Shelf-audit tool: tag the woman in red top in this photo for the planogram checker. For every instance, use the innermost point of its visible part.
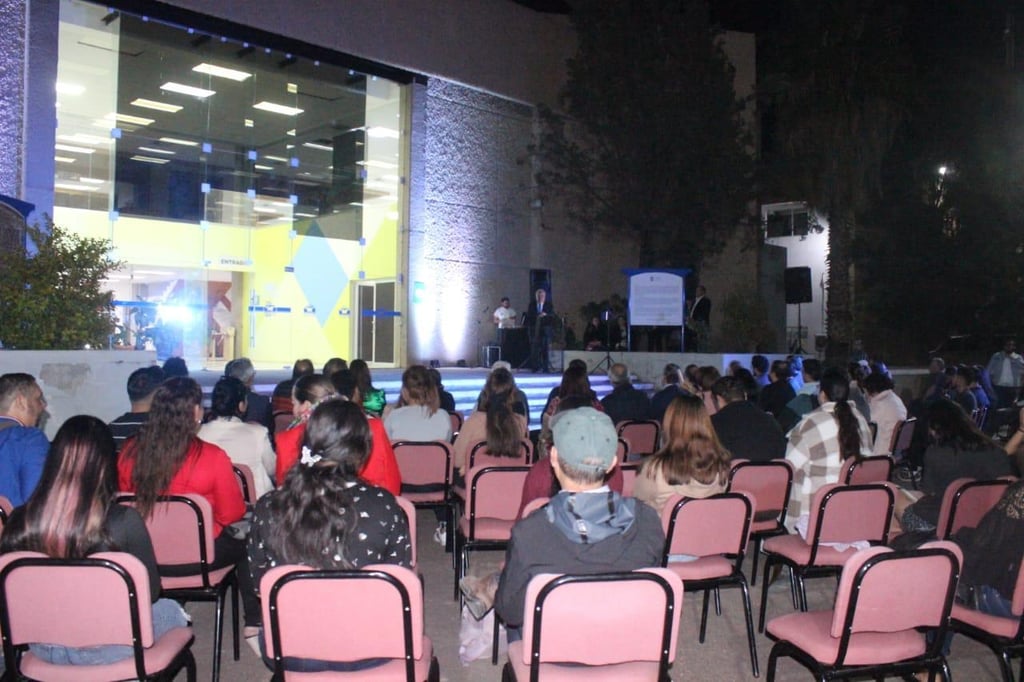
(307, 392)
(167, 458)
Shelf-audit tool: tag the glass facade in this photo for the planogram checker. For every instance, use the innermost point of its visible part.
(254, 195)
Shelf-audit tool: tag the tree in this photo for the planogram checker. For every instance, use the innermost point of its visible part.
(837, 94)
(54, 298)
(649, 143)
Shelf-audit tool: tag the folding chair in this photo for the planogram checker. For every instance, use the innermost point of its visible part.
(978, 416)
(246, 481)
(769, 485)
(457, 421)
(622, 451)
(630, 471)
(714, 531)
(410, 516)
(873, 469)
(573, 627)
(181, 527)
(492, 506)
(840, 514)
(426, 468)
(100, 600)
(641, 435)
(965, 501)
(347, 616)
(479, 455)
(885, 604)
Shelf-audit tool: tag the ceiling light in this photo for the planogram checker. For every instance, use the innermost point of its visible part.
(156, 150)
(71, 148)
(249, 123)
(91, 181)
(277, 108)
(370, 163)
(221, 72)
(181, 89)
(305, 215)
(74, 186)
(264, 209)
(290, 133)
(275, 158)
(128, 118)
(63, 159)
(314, 145)
(70, 88)
(82, 138)
(178, 141)
(382, 132)
(261, 167)
(158, 106)
(149, 159)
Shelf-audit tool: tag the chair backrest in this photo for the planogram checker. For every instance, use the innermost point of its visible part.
(622, 450)
(902, 436)
(534, 504)
(246, 481)
(456, 421)
(568, 619)
(99, 600)
(874, 469)
(479, 455)
(850, 513)
(1017, 602)
(885, 591)
(769, 484)
(282, 420)
(978, 416)
(640, 434)
(181, 528)
(410, 516)
(424, 462)
(716, 525)
(630, 471)
(375, 612)
(965, 501)
(493, 493)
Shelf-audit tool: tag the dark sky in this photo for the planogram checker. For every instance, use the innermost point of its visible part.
(739, 15)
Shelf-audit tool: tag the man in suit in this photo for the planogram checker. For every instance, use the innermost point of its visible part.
(700, 318)
(539, 318)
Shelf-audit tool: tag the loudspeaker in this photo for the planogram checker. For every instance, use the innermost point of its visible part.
(539, 279)
(798, 285)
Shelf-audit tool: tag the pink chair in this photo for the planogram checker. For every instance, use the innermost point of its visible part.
(282, 420)
(456, 420)
(426, 469)
(568, 621)
(885, 603)
(769, 485)
(965, 501)
(345, 616)
(246, 481)
(640, 434)
(874, 469)
(715, 530)
(1004, 636)
(492, 507)
(630, 471)
(479, 455)
(622, 451)
(840, 514)
(102, 599)
(533, 505)
(181, 527)
(410, 516)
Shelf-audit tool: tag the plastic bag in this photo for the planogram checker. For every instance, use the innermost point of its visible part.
(476, 636)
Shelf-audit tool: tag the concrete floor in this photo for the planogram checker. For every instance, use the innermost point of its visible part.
(723, 656)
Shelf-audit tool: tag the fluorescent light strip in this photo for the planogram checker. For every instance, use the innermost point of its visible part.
(277, 108)
(276, 158)
(74, 187)
(91, 181)
(82, 138)
(314, 145)
(370, 163)
(63, 159)
(221, 72)
(72, 148)
(179, 141)
(381, 132)
(150, 159)
(128, 118)
(157, 150)
(262, 167)
(264, 209)
(181, 89)
(158, 106)
(305, 215)
(73, 89)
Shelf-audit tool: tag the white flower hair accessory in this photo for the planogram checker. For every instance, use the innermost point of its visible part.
(308, 458)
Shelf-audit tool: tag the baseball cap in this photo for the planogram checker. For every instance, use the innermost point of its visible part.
(585, 438)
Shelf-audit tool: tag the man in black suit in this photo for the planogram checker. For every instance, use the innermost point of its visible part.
(744, 429)
(540, 317)
(700, 318)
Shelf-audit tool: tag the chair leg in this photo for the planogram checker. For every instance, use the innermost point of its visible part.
(449, 526)
(773, 660)
(751, 639)
(1005, 666)
(218, 634)
(794, 595)
(802, 590)
(494, 641)
(234, 618)
(764, 593)
(704, 617)
(718, 603)
(756, 553)
(456, 564)
(190, 666)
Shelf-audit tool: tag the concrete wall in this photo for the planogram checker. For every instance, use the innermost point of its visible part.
(78, 381)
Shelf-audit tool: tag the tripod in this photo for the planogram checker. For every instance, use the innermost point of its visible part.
(607, 361)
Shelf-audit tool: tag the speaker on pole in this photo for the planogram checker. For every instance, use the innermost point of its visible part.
(798, 285)
(540, 279)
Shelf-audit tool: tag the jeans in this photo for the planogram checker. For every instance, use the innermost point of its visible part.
(312, 665)
(989, 601)
(167, 615)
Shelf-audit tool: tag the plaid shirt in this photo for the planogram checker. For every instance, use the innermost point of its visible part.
(813, 451)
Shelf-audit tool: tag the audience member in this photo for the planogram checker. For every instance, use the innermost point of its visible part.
(796, 372)
(282, 398)
(937, 380)
(167, 458)
(743, 429)
(22, 445)
(1005, 368)
(307, 392)
(858, 372)
(586, 527)
(776, 395)
(175, 367)
(708, 376)
(962, 394)
(142, 384)
(974, 386)
(625, 402)
(497, 424)
(671, 378)
(334, 365)
(446, 399)
(887, 410)
(821, 441)
(257, 407)
(520, 405)
(575, 384)
(381, 468)
(418, 416)
(73, 514)
(374, 400)
(325, 516)
(244, 442)
(759, 368)
(576, 365)
(691, 462)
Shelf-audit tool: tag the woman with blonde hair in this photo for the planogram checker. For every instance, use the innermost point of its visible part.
(418, 415)
(691, 462)
(496, 423)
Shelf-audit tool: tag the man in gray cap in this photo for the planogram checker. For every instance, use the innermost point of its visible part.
(586, 528)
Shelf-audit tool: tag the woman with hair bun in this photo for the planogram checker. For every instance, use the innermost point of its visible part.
(819, 443)
(246, 443)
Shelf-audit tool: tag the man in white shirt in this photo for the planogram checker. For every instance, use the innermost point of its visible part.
(1005, 369)
(505, 315)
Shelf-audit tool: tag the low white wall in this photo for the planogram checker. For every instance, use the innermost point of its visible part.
(78, 381)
